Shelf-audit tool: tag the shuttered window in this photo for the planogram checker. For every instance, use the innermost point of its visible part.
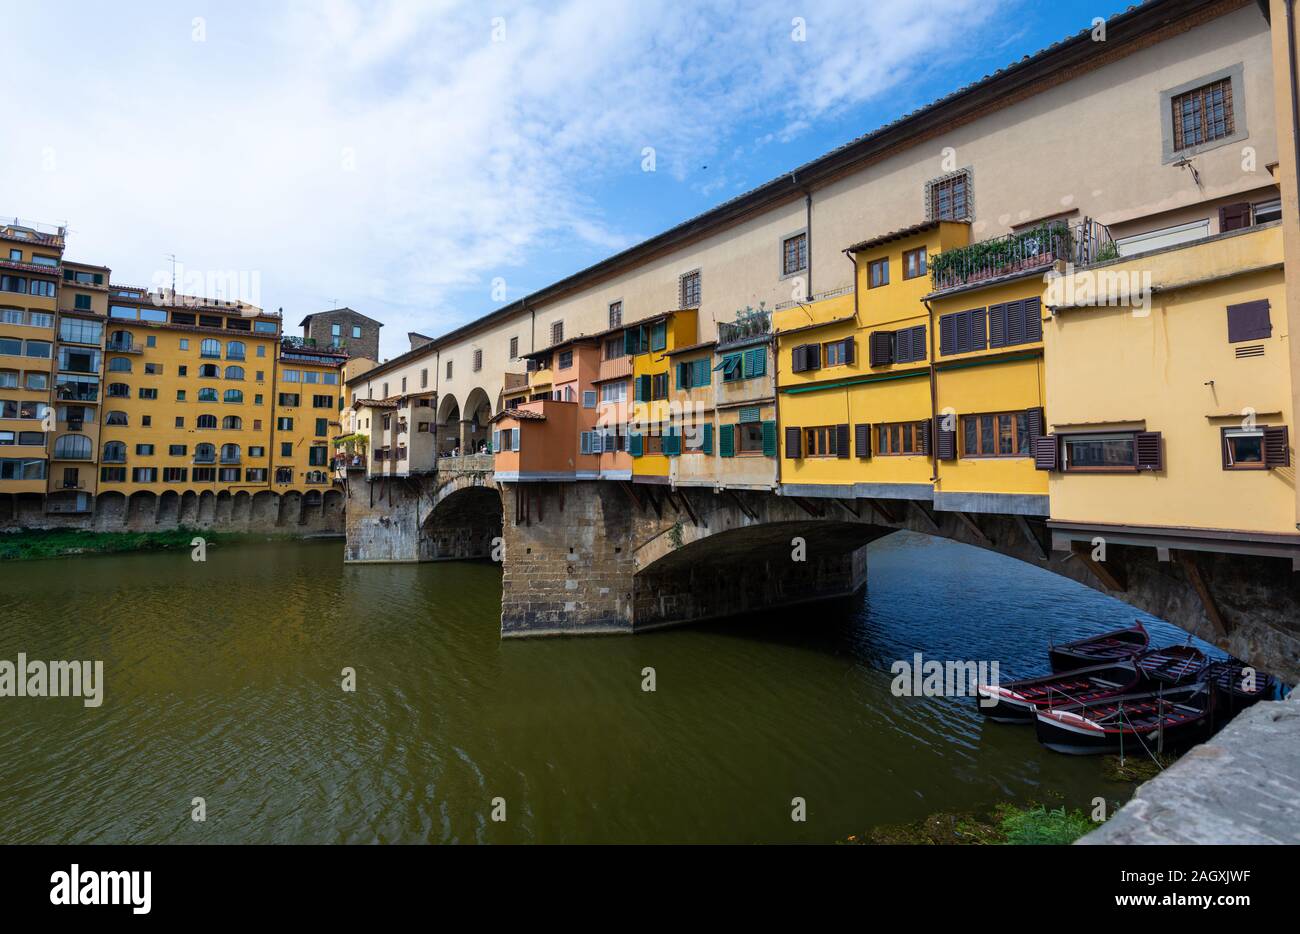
(793, 443)
(1249, 321)
(1018, 322)
(659, 386)
(634, 341)
(1046, 450)
(806, 357)
(1111, 451)
(896, 438)
(962, 332)
(642, 393)
(862, 440)
(839, 353)
(880, 348)
(557, 331)
(726, 440)
(826, 441)
(1256, 448)
(995, 434)
(750, 438)
(769, 439)
(909, 344)
(755, 362)
(1234, 217)
(671, 443)
(659, 336)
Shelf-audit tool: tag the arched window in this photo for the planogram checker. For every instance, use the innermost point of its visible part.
(72, 446)
(210, 371)
(116, 418)
(119, 365)
(119, 390)
(234, 372)
(232, 423)
(284, 475)
(234, 351)
(230, 454)
(204, 453)
(210, 348)
(206, 421)
(317, 476)
(208, 395)
(119, 340)
(234, 395)
(115, 452)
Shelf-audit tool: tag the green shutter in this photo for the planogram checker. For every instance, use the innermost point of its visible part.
(629, 341)
(726, 440)
(703, 374)
(707, 444)
(755, 362)
(659, 336)
(683, 376)
(751, 413)
(672, 443)
(769, 439)
(642, 389)
(634, 445)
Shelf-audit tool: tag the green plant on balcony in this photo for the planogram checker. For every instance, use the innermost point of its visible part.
(986, 259)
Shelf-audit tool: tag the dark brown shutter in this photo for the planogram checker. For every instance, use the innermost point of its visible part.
(1034, 420)
(841, 440)
(862, 440)
(1249, 321)
(812, 356)
(945, 440)
(1234, 217)
(947, 335)
(880, 347)
(1277, 446)
(1150, 451)
(1045, 452)
(796, 359)
(849, 349)
(925, 437)
(998, 326)
(793, 443)
(978, 329)
(1033, 319)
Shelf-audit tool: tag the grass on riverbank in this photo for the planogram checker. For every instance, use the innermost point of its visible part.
(32, 544)
(1007, 824)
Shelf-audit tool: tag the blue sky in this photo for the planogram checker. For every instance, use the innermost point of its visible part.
(400, 157)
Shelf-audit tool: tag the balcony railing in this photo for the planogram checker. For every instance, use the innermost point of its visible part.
(124, 347)
(1025, 251)
(749, 324)
(230, 459)
(204, 459)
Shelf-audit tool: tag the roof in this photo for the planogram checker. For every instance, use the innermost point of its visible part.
(597, 335)
(816, 324)
(900, 234)
(522, 415)
(390, 403)
(1004, 87)
(351, 311)
(693, 347)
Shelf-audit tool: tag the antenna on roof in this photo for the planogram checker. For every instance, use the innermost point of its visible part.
(172, 257)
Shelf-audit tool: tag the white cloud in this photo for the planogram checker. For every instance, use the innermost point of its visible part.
(392, 156)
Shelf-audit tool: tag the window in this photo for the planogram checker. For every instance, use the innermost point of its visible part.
(203, 474)
(37, 349)
(175, 474)
(962, 332)
(336, 330)
(235, 350)
(878, 273)
(589, 398)
(557, 331)
(207, 395)
(633, 341)
(144, 474)
(230, 454)
(906, 345)
(1012, 323)
(616, 314)
(205, 453)
(144, 449)
(659, 336)
(72, 447)
(514, 351)
(1256, 448)
(1001, 434)
(689, 289)
(694, 373)
(322, 402)
(286, 449)
(288, 400)
(749, 437)
(184, 343)
(356, 330)
(81, 302)
(1249, 321)
(613, 392)
(794, 254)
(232, 423)
(116, 418)
(205, 422)
(180, 421)
(114, 452)
(802, 358)
(38, 380)
(318, 455)
(1202, 115)
(1121, 451)
(914, 263)
(148, 393)
(210, 348)
(902, 438)
(403, 381)
(826, 441)
(39, 319)
(659, 386)
(839, 353)
(322, 426)
(448, 377)
(77, 331)
(153, 369)
(478, 360)
(112, 474)
(209, 371)
(176, 450)
(150, 340)
(284, 424)
(615, 347)
(235, 372)
(565, 360)
(948, 198)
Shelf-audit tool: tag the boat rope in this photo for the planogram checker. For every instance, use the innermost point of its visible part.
(1125, 718)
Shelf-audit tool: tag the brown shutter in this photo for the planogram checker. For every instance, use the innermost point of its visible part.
(1045, 453)
(881, 348)
(862, 440)
(1249, 321)
(925, 437)
(1150, 451)
(796, 359)
(946, 440)
(812, 356)
(793, 443)
(849, 343)
(841, 440)
(998, 325)
(1034, 418)
(1033, 319)
(1234, 217)
(1277, 446)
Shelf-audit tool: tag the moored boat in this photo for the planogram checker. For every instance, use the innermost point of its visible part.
(1172, 665)
(1236, 686)
(1096, 650)
(1157, 721)
(1018, 701)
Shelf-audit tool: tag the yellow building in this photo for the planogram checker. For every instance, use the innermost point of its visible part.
(1169, 397)
(652, 435)
(308, 403)
(29, 271)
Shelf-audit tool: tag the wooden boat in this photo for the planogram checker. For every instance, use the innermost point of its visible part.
(1096, 650)
(1236, 689)
(1169, 718)
(1018, 701)
(1173, 665)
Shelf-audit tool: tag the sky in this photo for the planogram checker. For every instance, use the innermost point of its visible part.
(425, 162)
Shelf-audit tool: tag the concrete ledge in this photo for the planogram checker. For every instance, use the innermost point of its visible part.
(920, 491)
(1242, 787)
(1015, 504)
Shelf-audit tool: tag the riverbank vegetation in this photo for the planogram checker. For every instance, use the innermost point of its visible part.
(32, 544)
(1006, 824)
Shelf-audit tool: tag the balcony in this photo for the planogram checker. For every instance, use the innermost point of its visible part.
(749, 325)
(228, 459)
(78, 392)
(1027, 251)
(123, 347)
(615, 369)
(205, 458)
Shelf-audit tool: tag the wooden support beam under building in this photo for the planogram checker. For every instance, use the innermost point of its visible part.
(632, 494)
(1032, 537)
(749, 514)
(690, 511)
(851, 510)
(1110, 574)
(882, 510)
(806, 507)
(926, 514)
(1202, 588)
(974, 527)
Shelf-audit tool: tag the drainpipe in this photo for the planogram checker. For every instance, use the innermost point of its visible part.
(807, 200)
(1295, 112)
(934, 399)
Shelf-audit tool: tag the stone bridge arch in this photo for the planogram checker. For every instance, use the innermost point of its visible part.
(463, 518)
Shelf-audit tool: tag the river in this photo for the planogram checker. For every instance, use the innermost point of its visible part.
(223, 681)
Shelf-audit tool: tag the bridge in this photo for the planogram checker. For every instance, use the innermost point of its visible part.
(592, 557)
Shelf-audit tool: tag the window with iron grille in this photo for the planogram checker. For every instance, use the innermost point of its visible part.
(557, 331)
(1203, 115)
(690, 290)
(448, 374)
(950, 197)
(514, 348)
(794, 254)
(478, 360)
(615, 314)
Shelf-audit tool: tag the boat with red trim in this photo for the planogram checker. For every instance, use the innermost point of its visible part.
(1096, 650)
(1158, 721)
(1018, 701)
(1172, 665)
(1237, 685)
